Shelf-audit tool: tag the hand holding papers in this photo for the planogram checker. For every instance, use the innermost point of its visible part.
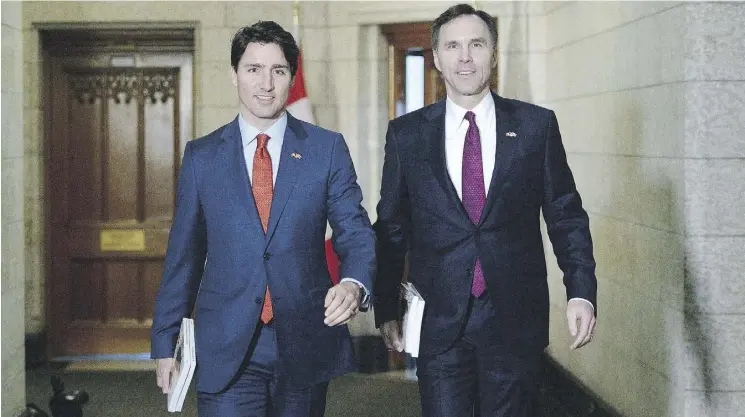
(412, 322)
(184, 363)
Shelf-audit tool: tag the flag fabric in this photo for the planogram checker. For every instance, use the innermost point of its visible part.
(300, 107)
(297, 101)
(332, 261)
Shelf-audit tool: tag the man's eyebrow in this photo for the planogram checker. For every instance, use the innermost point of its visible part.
(275, 66)
(479, 39)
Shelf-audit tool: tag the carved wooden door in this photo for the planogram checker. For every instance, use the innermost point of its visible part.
(115, 135)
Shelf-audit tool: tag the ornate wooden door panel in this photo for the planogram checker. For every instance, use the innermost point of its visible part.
(115, 137)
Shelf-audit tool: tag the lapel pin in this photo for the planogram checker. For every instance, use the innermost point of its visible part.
(296, 155)
(511, 134)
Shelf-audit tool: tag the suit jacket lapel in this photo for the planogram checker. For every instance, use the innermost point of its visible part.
(506, 146)
(237, 173)
(290, 165)
(433, 133)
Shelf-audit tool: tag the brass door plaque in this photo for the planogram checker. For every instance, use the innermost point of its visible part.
(117, 240)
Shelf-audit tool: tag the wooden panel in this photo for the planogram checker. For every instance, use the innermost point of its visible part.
(80, 338)
(91, 41)
(434, 88)
(152, 272)
(121, 166)
(84, 154)
(159, 157)
(87, 287)
(112, 168)
(397, 86)
(123, 296)
(408, 35)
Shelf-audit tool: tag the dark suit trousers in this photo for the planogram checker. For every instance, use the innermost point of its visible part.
(473, 378)
(254, 391)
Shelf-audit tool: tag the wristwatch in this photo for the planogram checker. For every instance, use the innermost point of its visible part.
(364, 299)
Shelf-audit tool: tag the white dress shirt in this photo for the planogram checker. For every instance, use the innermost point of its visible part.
(456, 127)
(276, 133)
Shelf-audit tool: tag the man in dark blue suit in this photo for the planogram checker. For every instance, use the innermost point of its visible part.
(246, 249)
(464, 184)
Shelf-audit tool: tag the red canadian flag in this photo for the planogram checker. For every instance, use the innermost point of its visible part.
(297, 101)
(299, 106)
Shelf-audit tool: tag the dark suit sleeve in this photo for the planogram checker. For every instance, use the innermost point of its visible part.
(567, 222)
(184, 263)
(391, 228)
(353, 238)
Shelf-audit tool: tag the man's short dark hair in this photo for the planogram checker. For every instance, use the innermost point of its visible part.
(265, 32)
(456, 12)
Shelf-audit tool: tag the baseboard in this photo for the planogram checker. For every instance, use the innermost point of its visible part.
(32, 410)
(36, 349)
(558, 385)
(561, 393)
(572, 395)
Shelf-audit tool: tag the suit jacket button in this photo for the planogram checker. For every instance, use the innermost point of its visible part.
(468, 271)
(259, 300)
(267, 256)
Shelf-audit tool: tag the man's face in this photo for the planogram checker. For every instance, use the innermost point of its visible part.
(263, 80)
(465, 57)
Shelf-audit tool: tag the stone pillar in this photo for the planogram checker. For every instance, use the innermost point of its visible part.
(711, 361)
(13, 231)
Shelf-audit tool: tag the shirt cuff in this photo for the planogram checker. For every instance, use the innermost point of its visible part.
(365, 303)
(582, 299)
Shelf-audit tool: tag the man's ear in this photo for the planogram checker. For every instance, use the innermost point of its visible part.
(436, 59)
(234, 76)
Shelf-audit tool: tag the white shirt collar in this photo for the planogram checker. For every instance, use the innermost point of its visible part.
(455, 114)
(249, 132)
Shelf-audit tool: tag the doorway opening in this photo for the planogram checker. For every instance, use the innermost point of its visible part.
(117, 113)
(414, 81)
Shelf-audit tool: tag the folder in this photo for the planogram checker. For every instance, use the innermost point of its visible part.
(412, 321)
(185, 361)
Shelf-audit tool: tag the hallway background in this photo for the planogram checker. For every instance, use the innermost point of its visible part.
(649, 97)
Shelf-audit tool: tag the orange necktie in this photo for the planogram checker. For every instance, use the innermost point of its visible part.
(263, 190)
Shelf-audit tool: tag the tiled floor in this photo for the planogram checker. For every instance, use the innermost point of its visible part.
(134, 393)
(127, 388)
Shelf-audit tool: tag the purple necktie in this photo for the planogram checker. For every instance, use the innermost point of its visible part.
(474, 194)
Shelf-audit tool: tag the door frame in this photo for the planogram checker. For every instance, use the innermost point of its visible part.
(402, 36)
(76, 39)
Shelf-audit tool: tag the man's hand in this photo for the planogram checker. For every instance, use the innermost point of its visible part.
(391, 332)
(342, 303)
(165, 368)
(581, 320)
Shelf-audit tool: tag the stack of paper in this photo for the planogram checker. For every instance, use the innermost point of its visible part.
(185, 361)
(412, 322)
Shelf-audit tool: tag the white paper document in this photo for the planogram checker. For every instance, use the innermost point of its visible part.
(412, 322)
(185, 361)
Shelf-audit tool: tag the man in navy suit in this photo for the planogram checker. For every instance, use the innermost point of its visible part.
(464, 184)
(246, 249)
